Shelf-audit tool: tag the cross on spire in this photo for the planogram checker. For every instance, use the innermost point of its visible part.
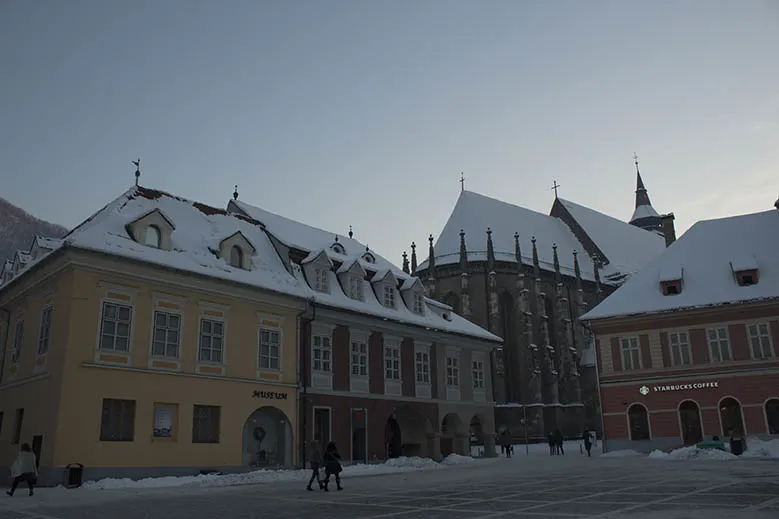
(462, 182)
(555, 186)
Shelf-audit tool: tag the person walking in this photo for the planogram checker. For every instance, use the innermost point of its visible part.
(587, 442)
(315, 455)
(505, 441)
(551, 440)
(558, 438)
(25, 468)
(332, 466)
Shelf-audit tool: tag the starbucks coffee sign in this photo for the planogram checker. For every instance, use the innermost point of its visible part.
(645, 390)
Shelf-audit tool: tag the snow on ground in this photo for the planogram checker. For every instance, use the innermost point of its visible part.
(757, 448)
(392, 466)
(625, 453)
(692, 453)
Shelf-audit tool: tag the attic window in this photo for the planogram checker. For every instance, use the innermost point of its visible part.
(321, 283)
(236, 257)
(419, 303)
(338, 248)
(153, 237)
(746, 278)
(369, 258)
(355, 287)
(671, 288)
(389, 296)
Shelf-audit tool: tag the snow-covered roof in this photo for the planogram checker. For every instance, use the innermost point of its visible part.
(644, 211)
(47, 243)
(199, 231)
(705, 253)
(474, 213)
(627, 247)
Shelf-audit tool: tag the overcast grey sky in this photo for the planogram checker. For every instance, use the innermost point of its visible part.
(365, 112)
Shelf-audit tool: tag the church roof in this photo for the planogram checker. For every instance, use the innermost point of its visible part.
(474, 213)
(644, 211)
(706, 256)
(626, 246)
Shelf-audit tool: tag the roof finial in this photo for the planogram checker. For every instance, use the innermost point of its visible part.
(490, 251)
(413, 257)
(635, 160)
(463, 252)
(555, 186)
(462, 181)
(367, 249)
(536, 265)
(405, 262)
(336, 238)
(556, 262)
(577, 271)
(350, 232)
(517, 252)
(137, 170)
(431, 259)
(235, 193)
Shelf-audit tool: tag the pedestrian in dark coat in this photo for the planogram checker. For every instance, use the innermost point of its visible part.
(25, 468)
(505, 441)
(587, 442)
(332, 466)
(551, 440)
(315, 455)
(559, 441)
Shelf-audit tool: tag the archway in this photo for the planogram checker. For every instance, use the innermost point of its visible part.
(772, 415)
(730, 417)
(476, 433)
(407, 433)
(690, 420)
(451, 428)
(267, 439)
(638, 420)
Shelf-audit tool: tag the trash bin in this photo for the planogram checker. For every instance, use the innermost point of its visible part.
(74, 475)
(736, 446)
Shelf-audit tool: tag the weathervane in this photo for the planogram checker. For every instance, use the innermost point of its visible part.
(462, 182)
(137, 170)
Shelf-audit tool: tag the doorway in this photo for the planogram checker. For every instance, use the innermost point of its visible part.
(690, 419)
(359, 436)
(267, 439)
(393, 438)
(37, 446)
(322, 425)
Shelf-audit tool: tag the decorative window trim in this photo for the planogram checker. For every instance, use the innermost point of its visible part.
(212, 319)
(771, 350)
(152, 339)
(418, 302)
(717, 342)
(688, 349)
(359, 337)
(388, 296)
(322, 279)
(108, 300)
(425, 350)
(452, 368)
(44, 341)
(629, 341)
(270, 330)
(393, 364)
(478, 373)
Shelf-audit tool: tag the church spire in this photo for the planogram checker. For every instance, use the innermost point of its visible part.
(431, 259)
(517, 252)
(556, 261)
(596, 266)
(405, 263)
(490, 252)
(413, 257)
(536, 266)
(463, 253)
(642, 196)
(577, 271)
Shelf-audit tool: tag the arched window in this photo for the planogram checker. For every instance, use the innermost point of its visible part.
(772, 415)
(153, 236)
(730, 416)
(690, 419)
(236, 257)
(639, 422)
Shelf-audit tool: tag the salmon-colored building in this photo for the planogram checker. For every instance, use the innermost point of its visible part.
(687, 348)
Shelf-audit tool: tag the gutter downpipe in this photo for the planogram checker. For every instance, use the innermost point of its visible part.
(302, 377)
(5, 341)
(600, 396)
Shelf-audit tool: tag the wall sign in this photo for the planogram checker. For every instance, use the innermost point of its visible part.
(163, 421)
(645, 390)
(269, 395)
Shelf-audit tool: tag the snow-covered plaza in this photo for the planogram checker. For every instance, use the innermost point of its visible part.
(622, 484)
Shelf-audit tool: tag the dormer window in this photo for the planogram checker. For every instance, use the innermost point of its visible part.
(746, 278)
(671, 280)
(355, 287)
(153, 237)
(389, 296)
(671, 288)
(338, 248)
(236, 257)
(419, 303)
(369, 258)
(322, 281)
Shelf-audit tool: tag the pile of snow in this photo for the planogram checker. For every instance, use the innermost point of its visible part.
(625, 453)
(757, 448)
(693, 453)
(392, 466)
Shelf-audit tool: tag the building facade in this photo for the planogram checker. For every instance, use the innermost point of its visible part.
(687, 349)
(528, 277)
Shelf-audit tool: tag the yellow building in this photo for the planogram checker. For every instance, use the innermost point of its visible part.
(159, 337)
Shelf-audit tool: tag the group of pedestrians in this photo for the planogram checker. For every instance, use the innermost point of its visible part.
(555, 440)
(332, 465)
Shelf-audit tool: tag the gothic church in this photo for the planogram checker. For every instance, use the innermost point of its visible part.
(527, 277)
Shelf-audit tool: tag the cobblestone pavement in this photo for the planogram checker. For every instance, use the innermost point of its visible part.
(520, 488)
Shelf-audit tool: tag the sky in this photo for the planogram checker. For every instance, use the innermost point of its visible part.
(365, 113)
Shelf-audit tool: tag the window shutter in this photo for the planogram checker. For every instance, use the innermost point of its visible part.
(616, 354)
(646, 355)
(665, 349)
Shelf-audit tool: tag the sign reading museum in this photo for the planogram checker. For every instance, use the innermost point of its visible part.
(645, 390)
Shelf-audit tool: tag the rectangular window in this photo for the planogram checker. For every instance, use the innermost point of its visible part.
(452, 371)
(392, 363)
(18, 427)
(760, 340)
(270, 349)
(423, 367)
(719, 346)
(165, 341)
(321, 352)
(419, 304)
(359, 359)
(205, 424)
(322, 282)
(115, 327)
(211, 341)
(43, 336)
(389, 296)
(18, 339)
(478, 374)
(164, 420)
(355, 287)
(118, 420)
(631, 354)
(680, 348)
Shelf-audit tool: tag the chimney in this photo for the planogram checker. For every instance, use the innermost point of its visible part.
(668, 228)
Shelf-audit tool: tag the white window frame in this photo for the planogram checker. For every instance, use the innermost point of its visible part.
(152, 240)
(261, 343)
(101, 330)
(418, 303)
(44, 333)
(681, 346)
(477, 367)
(717, 343)
(452, 369)
(630, 345)
(356, 287)
(764, 340)
(322, 279)
(168, 313)
(392, 362)
(389, 296)
(358, 360)
(212, 320)
(422, 366)
(325, 350)
(16, 352)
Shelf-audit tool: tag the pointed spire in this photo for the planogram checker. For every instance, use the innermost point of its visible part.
(642, 197)
(556, 262)
(596, 266)
(577, 271)
(235, 193)
(517, 252)
(536, 266)
(490, 251)
(405, 263)
(137, 170)
(463, 253)
(351, 233)
(413, 257)
(431, 259)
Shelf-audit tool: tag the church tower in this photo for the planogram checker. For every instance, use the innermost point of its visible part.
(645, 216)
